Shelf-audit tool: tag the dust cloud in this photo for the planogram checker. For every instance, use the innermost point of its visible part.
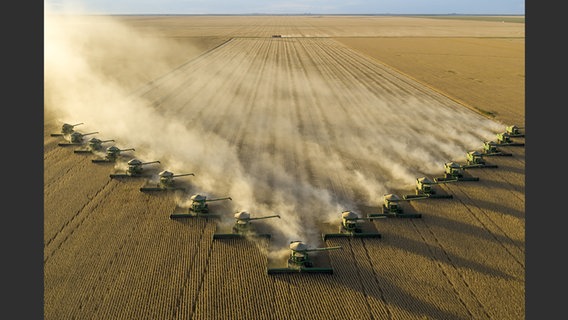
(303, 128)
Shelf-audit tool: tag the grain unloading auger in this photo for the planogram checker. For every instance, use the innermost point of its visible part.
(243, 227)
(135, 169)
(166, 182)
(475, 160)
(504, 139)
(490, 149)
(198, 207)
(454, 172)
(299, 260)
(112, 153)
(424, 190)
(93, 145)
(350, 227)
(76, 139)
(66, 129)
(391, 208)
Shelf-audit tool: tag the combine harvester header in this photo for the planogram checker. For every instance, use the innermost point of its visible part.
(350, 228)
(454, 172)
(424, 190)
(112, 153)
(166, 182)
(135, 169)
(93, 145)
(75, 139)
(198, 207)
(299, 261)
(66, 129)
(475, 160)
(243, 227)
(392, 209)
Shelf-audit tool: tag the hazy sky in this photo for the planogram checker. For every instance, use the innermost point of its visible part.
(289, 6)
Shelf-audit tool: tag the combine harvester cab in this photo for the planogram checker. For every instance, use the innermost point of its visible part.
(391, 208)
(299, 260)
(112, 153)
(504, 139)
(243, 227)
(93, 145)
(135, 169)
(66, 129)
(490, 150)
(514, 131)
(454, 172)
(198, 208)
(424, 190)
(350, 227)
(166, 182)
(75, 139)
(475, 160)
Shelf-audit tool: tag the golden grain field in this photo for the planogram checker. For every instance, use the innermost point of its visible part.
(333, 114)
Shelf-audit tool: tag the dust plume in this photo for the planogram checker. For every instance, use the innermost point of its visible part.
(304, 128)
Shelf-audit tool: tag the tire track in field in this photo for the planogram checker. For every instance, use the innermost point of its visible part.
(471, 306)
(184, 90)
(194, 271)
(171, 77)
(73, 224)
(331, 77)
(491, 226)
(339, 191)
(364, 73)
(362, 283)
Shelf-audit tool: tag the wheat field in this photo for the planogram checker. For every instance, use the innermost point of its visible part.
(301, 116)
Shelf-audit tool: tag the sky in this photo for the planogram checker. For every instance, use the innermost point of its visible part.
(515, 7)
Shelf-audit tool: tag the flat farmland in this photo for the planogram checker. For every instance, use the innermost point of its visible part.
(330, 116)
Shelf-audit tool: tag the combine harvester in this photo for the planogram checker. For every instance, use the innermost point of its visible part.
(198, 207)
(93, 145)
(243, 227)
(454, 172)
(504, 139)
(392, 208)
(166, 182)
(112, 153)
(135, 169)
(424, 190)
(513, 131)
(299, 261)
(350, 228)
(490, 149)
(66, 129)
(475, 160)
(75, 139)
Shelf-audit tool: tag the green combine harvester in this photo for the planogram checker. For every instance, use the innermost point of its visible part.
(66, 129)
(425, 190)
(93, 145)
(475, 160)
(112, 153)
(350, 227)
(243, 227)
(504, 139)
(198, 207)
(166, 182)
(454, 172)
(299, 261)
(490, 149)
(75, 139)
(514, 131)
(135, 169)
(391, 208)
